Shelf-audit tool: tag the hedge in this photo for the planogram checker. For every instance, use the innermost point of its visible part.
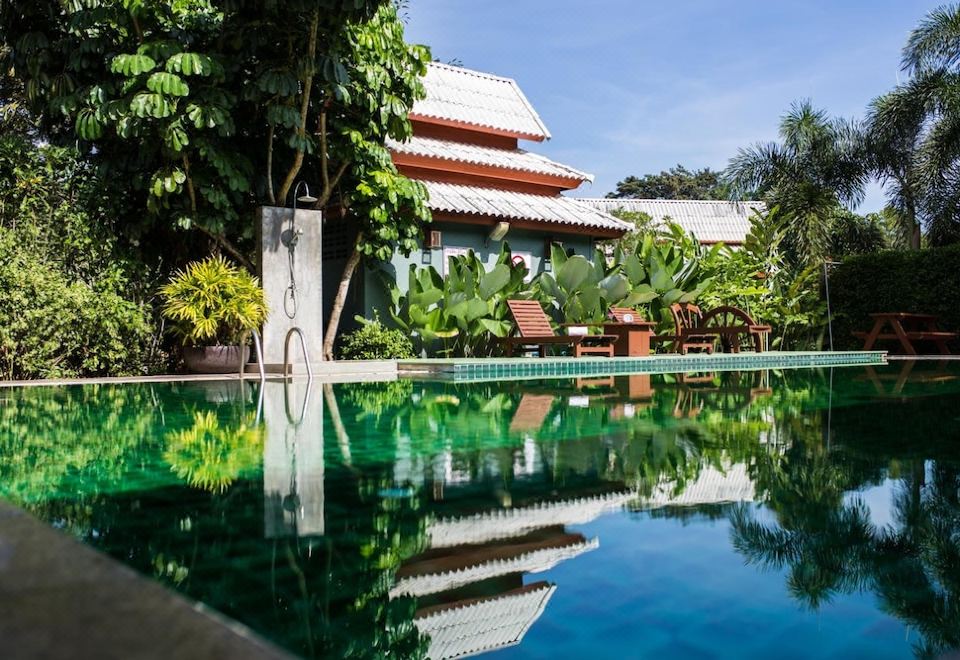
(920, 281)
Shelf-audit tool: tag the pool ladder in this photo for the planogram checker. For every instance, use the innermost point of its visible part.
(287, 365)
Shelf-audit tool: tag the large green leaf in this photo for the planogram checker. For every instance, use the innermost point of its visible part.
(614, 287)
(574, 273)
(591, 298)
(132, 65)
(190, 64)
(558, 256)
(425, 297)
(163, 82)
(633, 269)
(494, 281)
(660, 279)
(672, 296)
(496, 328)
(147, 104)
(88, 125)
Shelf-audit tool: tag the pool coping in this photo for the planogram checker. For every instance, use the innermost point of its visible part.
(341, 371)
(338, 371)
(60, 598)
(490, 369)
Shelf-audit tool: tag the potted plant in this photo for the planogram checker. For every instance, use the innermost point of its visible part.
(212, 303)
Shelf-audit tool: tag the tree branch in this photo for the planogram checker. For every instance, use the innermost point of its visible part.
(270, 196)
(190, 189)
(229, 247)
(304, 108)
(328, 188)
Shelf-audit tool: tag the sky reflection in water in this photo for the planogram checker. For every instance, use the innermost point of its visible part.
(742, 514)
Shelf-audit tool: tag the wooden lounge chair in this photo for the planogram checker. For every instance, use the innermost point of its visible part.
(535, 332)
(531, 412)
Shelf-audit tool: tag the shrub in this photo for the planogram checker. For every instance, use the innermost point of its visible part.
(52, 325)
(918, 281)
(213, 301)
(374, 341)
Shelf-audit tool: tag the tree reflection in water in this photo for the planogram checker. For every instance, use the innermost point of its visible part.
(347, 552)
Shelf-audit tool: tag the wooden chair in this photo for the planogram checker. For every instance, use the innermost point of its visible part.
(535, 331)
(687, 319)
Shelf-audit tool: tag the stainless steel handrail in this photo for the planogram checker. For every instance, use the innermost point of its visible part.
(259, 352)
(287, 367)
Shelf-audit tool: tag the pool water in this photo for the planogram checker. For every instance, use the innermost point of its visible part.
(710, 515)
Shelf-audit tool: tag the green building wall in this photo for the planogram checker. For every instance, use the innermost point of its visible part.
(368, 294)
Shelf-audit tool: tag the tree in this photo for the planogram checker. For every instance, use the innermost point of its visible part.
(816, 168)
(676, 183)
(642, 225)
(914, 132)
(211, 108)
(856, 234)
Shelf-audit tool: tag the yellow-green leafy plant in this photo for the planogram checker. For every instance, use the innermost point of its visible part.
(211, 456)
(213, 302)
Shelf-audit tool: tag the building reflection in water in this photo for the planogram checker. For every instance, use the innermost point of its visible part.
(469, 582)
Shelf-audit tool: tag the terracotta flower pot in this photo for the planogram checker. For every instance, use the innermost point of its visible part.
(215, 359)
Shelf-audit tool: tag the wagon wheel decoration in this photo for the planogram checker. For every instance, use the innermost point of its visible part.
(735, 323)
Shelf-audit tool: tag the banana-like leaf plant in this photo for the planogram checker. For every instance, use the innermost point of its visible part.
(465, 312)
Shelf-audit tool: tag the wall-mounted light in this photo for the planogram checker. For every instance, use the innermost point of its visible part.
(426, 257)
(498, 232)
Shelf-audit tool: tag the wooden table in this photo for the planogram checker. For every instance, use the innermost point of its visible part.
(632, 339)
(906, 328)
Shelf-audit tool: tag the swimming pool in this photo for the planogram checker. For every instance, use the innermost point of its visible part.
(812, 512)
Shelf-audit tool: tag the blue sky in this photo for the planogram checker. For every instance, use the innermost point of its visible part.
(636, 86)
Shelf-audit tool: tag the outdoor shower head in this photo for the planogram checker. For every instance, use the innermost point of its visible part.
(306, 197)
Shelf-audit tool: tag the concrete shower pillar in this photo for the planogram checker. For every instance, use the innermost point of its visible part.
(275, 278)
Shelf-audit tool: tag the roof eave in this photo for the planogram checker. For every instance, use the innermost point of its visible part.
(556, 227)
(492, 130)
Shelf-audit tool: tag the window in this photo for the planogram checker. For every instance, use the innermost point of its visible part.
(451, 252)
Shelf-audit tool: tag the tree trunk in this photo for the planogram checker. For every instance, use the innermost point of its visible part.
(915, 236)
(334, 323)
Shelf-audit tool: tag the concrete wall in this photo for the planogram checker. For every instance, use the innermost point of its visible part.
(275, 278)
(374, 296)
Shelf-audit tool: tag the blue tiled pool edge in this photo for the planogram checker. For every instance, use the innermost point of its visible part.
(467, 369)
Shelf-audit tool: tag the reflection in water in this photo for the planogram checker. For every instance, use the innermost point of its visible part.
(418, 519)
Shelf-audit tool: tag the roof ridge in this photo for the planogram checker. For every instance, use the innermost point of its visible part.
(468, 71)
(506, 110)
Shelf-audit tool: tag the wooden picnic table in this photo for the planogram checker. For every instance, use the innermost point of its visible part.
(632, 338)
(906, 328)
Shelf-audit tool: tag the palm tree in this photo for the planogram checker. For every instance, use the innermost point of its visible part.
(914, 131)
(816, 169)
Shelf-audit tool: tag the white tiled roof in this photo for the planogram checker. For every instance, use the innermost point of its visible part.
(507, 523)
(509, 205)
(511, 159)
(713, 486)
(709, 221)
(479, 99)
(535, 561)
(485, 624)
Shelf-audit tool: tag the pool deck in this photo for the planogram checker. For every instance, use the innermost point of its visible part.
(62, 599)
